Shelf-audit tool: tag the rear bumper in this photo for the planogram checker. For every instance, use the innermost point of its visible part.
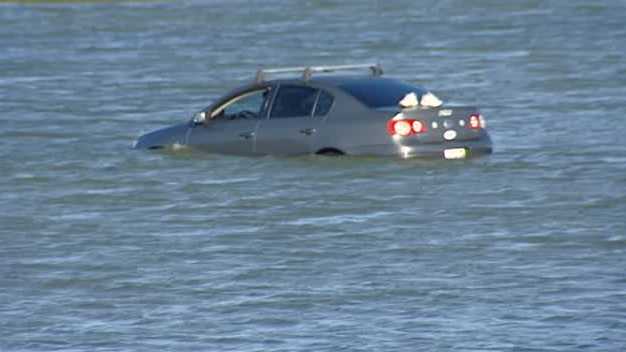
(473, 148)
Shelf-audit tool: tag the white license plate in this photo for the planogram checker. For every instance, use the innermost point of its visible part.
(455, 153)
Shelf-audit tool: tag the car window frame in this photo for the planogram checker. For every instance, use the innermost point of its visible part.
(275, 97)
(214, 110)
(225, 103)
(317, 99)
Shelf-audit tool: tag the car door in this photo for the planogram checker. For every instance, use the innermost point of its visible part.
(290, 128)
(231, 127)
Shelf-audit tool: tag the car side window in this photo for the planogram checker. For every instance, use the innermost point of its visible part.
(324, 103)
(293, 101)
(250, 105)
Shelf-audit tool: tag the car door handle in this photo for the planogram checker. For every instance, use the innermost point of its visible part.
(246, 135)
(308, 131)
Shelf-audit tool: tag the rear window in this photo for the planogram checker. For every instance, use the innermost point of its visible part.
(382, 92)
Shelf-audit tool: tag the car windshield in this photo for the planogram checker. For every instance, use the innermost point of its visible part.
(381, 92)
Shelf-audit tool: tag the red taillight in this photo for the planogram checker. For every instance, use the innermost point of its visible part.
(474, 121)
(402, 127)
(405, 127)
(418, 126)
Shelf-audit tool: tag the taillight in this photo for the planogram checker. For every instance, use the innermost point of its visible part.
(405, 127)
(402, 128)
(418, 126)
(474, 121)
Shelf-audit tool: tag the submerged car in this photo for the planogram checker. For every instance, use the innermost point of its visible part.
(330, 115)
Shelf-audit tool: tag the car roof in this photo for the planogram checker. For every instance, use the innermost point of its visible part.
(372, 91)
(357, 86)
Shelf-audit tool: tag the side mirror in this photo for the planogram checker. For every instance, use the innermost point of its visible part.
(199, 118)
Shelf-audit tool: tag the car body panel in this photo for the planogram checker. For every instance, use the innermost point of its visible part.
(222, 136)
(291, 136)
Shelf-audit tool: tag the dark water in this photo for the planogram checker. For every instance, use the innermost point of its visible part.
(107, 248)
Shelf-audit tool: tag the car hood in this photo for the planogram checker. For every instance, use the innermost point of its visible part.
(163, 137)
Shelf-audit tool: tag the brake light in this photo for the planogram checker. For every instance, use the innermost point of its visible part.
(418, 126)
(405, 127)
(474, 121)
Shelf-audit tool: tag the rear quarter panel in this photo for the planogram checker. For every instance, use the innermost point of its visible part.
(355, 129)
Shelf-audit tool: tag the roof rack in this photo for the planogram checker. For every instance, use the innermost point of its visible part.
(307, 72)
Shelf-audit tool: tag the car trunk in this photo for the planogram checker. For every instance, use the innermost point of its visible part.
(439, 125)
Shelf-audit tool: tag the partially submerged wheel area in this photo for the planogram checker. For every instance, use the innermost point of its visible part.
(329, 152)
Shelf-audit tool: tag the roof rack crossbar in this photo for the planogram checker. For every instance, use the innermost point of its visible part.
(307, 72)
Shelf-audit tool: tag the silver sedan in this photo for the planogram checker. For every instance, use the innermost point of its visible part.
(330, 115)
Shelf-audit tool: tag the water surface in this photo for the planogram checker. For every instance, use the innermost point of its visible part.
(108, 248)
